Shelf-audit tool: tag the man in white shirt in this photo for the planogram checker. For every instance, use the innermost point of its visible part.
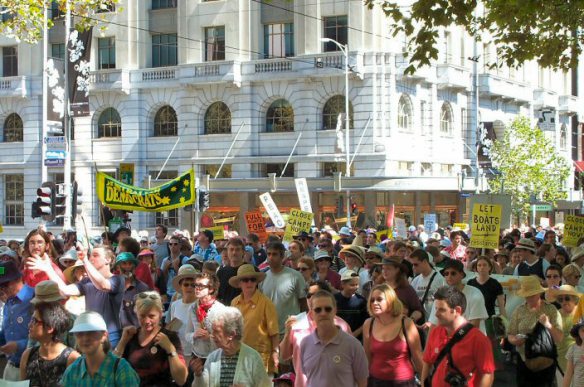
(427, 279)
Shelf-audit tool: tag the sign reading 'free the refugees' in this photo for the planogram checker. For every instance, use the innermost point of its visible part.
(176, 193)
(485, 226)
(573, 230)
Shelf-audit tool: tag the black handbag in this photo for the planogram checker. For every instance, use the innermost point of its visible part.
(540, 349)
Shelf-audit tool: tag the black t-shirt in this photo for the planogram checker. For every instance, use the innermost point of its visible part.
(490, 290)
(353, 310)
(227, 292)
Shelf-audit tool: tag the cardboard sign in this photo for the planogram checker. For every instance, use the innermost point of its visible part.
(255, 224)
(573, 230)
(298, 221)
(460, 226)
(485, 226)
(544, 222)
(272, 210)
(218, 232)
(303, 194)
(430, 223)
(400, 226)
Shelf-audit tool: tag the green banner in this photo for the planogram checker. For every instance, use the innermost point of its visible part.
(176, 193)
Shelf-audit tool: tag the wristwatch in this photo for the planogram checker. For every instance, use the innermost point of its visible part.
(172, 354)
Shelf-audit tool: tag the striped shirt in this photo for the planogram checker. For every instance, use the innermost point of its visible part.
(228, 365)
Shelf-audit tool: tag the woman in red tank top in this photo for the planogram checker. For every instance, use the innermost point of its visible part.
(391, 341)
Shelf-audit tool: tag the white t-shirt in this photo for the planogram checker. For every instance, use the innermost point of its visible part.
(284, 289)
(178, 309)
(420, 283)
(475, 307)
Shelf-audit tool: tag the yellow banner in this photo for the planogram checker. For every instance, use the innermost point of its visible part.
(1, 228)
(460, 226)
(179, 192)
(218, 232)
(485, 226)
(573, 230)
(298, 221)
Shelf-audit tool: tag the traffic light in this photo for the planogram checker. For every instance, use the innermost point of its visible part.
(76, 202)
(203, 200)
(44, 205)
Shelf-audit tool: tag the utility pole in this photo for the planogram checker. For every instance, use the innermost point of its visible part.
(66, 125)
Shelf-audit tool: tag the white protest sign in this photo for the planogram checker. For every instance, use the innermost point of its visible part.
(400, 226)
(430, 222)
(303, 195)
(272, 210)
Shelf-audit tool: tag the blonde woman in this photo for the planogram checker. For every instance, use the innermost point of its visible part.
(154, 352)
(391, 341)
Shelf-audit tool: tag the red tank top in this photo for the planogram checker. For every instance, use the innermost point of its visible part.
(390, 360)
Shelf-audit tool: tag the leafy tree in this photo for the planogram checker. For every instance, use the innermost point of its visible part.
(523, 30)
(23, 19)
(529, 165)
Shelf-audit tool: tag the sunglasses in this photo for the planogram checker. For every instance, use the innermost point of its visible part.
(249, 279)
(304, 268)
(561, 299)
(173, 244)
(319, 309)
(189, 285)
(450, 273)
(552, 276)
(150, 296)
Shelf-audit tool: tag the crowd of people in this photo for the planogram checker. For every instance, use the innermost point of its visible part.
(325, 309)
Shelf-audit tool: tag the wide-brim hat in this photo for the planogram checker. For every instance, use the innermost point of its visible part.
(196, 260)
(70, 255)
(565, 290)
(146, 251)
(530, 286)
(526, 244)
(355, 251)
(390, 261)
(5, 250)
(345, 231)
(126, 257)
(454, 264)
(46, 291)
(322, 254)
(303, 234)
(89, 322)
(577, 253)
(245, 271)
(68, 272)
(185, 271)
(375, 250)
(11, 272)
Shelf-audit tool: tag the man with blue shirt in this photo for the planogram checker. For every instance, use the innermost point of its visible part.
(17, 314)
(205, 247)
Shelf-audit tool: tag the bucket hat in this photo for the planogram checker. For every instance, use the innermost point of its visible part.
(46, 291)
(89, 322)
(246, 271)
(185, 271)
(68, 272)
(530, 286)
(526, 244)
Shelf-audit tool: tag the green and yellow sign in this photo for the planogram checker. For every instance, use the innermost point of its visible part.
(176, 193)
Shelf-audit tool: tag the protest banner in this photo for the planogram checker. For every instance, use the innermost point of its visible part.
(573, 230)
(218, 232)
(179, 192)
(298, 221)
(460, 226)
(255, 224)
(272, 210)
(430, 222)
(485, 226)
(400, 227)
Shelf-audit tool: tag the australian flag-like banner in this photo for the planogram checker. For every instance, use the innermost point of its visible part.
(179, 192)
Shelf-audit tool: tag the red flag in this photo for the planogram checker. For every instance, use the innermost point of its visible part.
(390, 216)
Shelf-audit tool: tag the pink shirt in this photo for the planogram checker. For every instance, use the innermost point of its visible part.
(303, 327)
(457, 253)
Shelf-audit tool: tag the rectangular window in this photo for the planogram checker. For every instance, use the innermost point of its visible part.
(335, 28)
(9, 61)
(164, 50)
(277, 169)
(214, 43)
(162, 4)
(329, 169)
(58, 50)
(211, 170)
(165, 175)
(106, 53)
(405, 168)
(14, 200)
(55, 11)
(278, 40)
(168, 218)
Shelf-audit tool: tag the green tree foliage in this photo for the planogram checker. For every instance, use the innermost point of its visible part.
(522, 30)
(23, 19)
(529, 164)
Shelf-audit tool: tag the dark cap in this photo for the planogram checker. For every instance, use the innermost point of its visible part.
(11, 272)
(454, 264)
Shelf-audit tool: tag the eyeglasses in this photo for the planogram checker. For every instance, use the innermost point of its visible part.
(249, 279)
(201, 286)
(189, 285)
(561, 299)
(319, 309)
(36, 321)
(173, 244)
(304, 268)
(150, 296)
(552, 276)
(450, 273)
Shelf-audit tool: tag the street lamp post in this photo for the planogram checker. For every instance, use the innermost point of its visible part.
(345, 50)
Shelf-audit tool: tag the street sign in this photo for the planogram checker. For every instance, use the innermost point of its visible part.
(55, 155)
(542, 207)
(54, 163)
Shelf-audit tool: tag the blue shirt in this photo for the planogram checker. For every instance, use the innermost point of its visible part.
(17, 313)
(210, 253)
(76, 374)
(107, 304)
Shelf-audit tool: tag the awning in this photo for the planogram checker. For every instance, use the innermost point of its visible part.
(579, 166)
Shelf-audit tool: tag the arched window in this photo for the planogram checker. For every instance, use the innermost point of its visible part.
(563, 137)
(405, 114)
(165, 122)
(280, 117)
(330, 113)
(13, 128)
(109, 124)
(446, 119)
(217, 119)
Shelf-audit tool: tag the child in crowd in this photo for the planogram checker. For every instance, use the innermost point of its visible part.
(574, 373)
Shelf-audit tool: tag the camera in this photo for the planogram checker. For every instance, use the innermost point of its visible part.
(454, 379)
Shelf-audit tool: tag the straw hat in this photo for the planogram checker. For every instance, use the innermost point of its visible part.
(565, 290)
(530, 286)
(355, 251)
(245, 271)
(46, 291)
(526, 244)
(185, 271)
(68, 272)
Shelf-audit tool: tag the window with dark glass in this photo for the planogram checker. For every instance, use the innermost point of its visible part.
(278, 168)
(9, 61)
(217, 119)
(214, 43)
(56, 12)
(162, 4)
(278, 40)
(164, 50)
(109, 124)
(334, 110)
(14, 200)
(329, 169)
(280, 117)
(106, 53)
(211, 170)
(165, 122)
(335, 28)
(58, 50)
(13, 128)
